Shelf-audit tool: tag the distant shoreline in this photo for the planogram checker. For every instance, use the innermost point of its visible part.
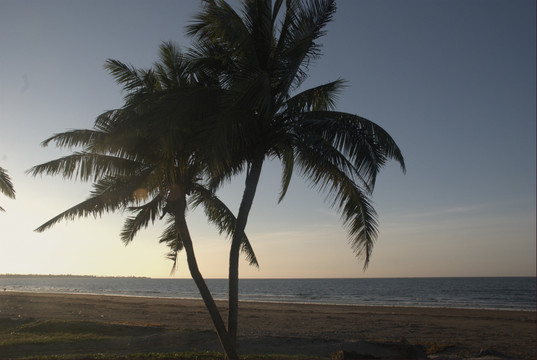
(262, 278)
(68, 276)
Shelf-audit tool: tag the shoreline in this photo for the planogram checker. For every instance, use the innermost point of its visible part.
(286, 328)
(440, 307)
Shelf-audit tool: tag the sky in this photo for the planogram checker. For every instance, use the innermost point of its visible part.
(452, 81)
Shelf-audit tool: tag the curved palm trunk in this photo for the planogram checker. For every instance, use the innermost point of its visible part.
(182, 229)
(252, 179)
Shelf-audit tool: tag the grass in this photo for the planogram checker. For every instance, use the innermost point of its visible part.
(140, 356)
(191, 355)
(28, 333)
(171, 356)
(17, 332)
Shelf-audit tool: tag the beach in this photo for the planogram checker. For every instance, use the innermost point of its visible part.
(166, 325)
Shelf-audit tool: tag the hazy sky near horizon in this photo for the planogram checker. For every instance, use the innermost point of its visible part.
(453, 81)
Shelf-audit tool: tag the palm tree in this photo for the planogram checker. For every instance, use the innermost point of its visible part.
(6, 186)
(261, 58)
(148, 158)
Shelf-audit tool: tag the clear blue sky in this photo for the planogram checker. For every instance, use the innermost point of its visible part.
(452, 81)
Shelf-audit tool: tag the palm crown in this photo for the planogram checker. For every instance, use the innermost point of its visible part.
(263, 65)
(138, 156)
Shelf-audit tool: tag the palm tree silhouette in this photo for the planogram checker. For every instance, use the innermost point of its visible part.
(146, 158)
(233, 101)
(262, 58)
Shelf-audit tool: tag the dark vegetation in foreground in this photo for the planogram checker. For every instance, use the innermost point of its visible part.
(88, 340)
(190, 355)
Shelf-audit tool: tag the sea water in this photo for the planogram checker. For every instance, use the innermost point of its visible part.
(510, 293)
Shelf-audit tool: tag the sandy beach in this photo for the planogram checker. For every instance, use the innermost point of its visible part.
(166, 325)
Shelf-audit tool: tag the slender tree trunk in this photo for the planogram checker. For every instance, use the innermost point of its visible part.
(252, 179)
(182, 228)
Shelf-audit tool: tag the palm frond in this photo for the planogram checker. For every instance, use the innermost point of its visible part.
(108, 195)
(218, 23)
(363, 142)
(74, 138)
(6, 185)
(172, 67)
(222, 173)
(86, 166)
(296, 48)
(172, 255)
(92, 206)
(144, 214)
(171, 238)
(357, 213)
(222, 217)
(169, 235)
(288, 162)
(107, 120)
(113, 134)
(319, 98)
(126, 75)
(257, 16)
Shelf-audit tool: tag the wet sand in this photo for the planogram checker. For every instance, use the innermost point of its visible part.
(284, 328)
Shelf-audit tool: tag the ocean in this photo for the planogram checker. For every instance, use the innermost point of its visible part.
(508, 293)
